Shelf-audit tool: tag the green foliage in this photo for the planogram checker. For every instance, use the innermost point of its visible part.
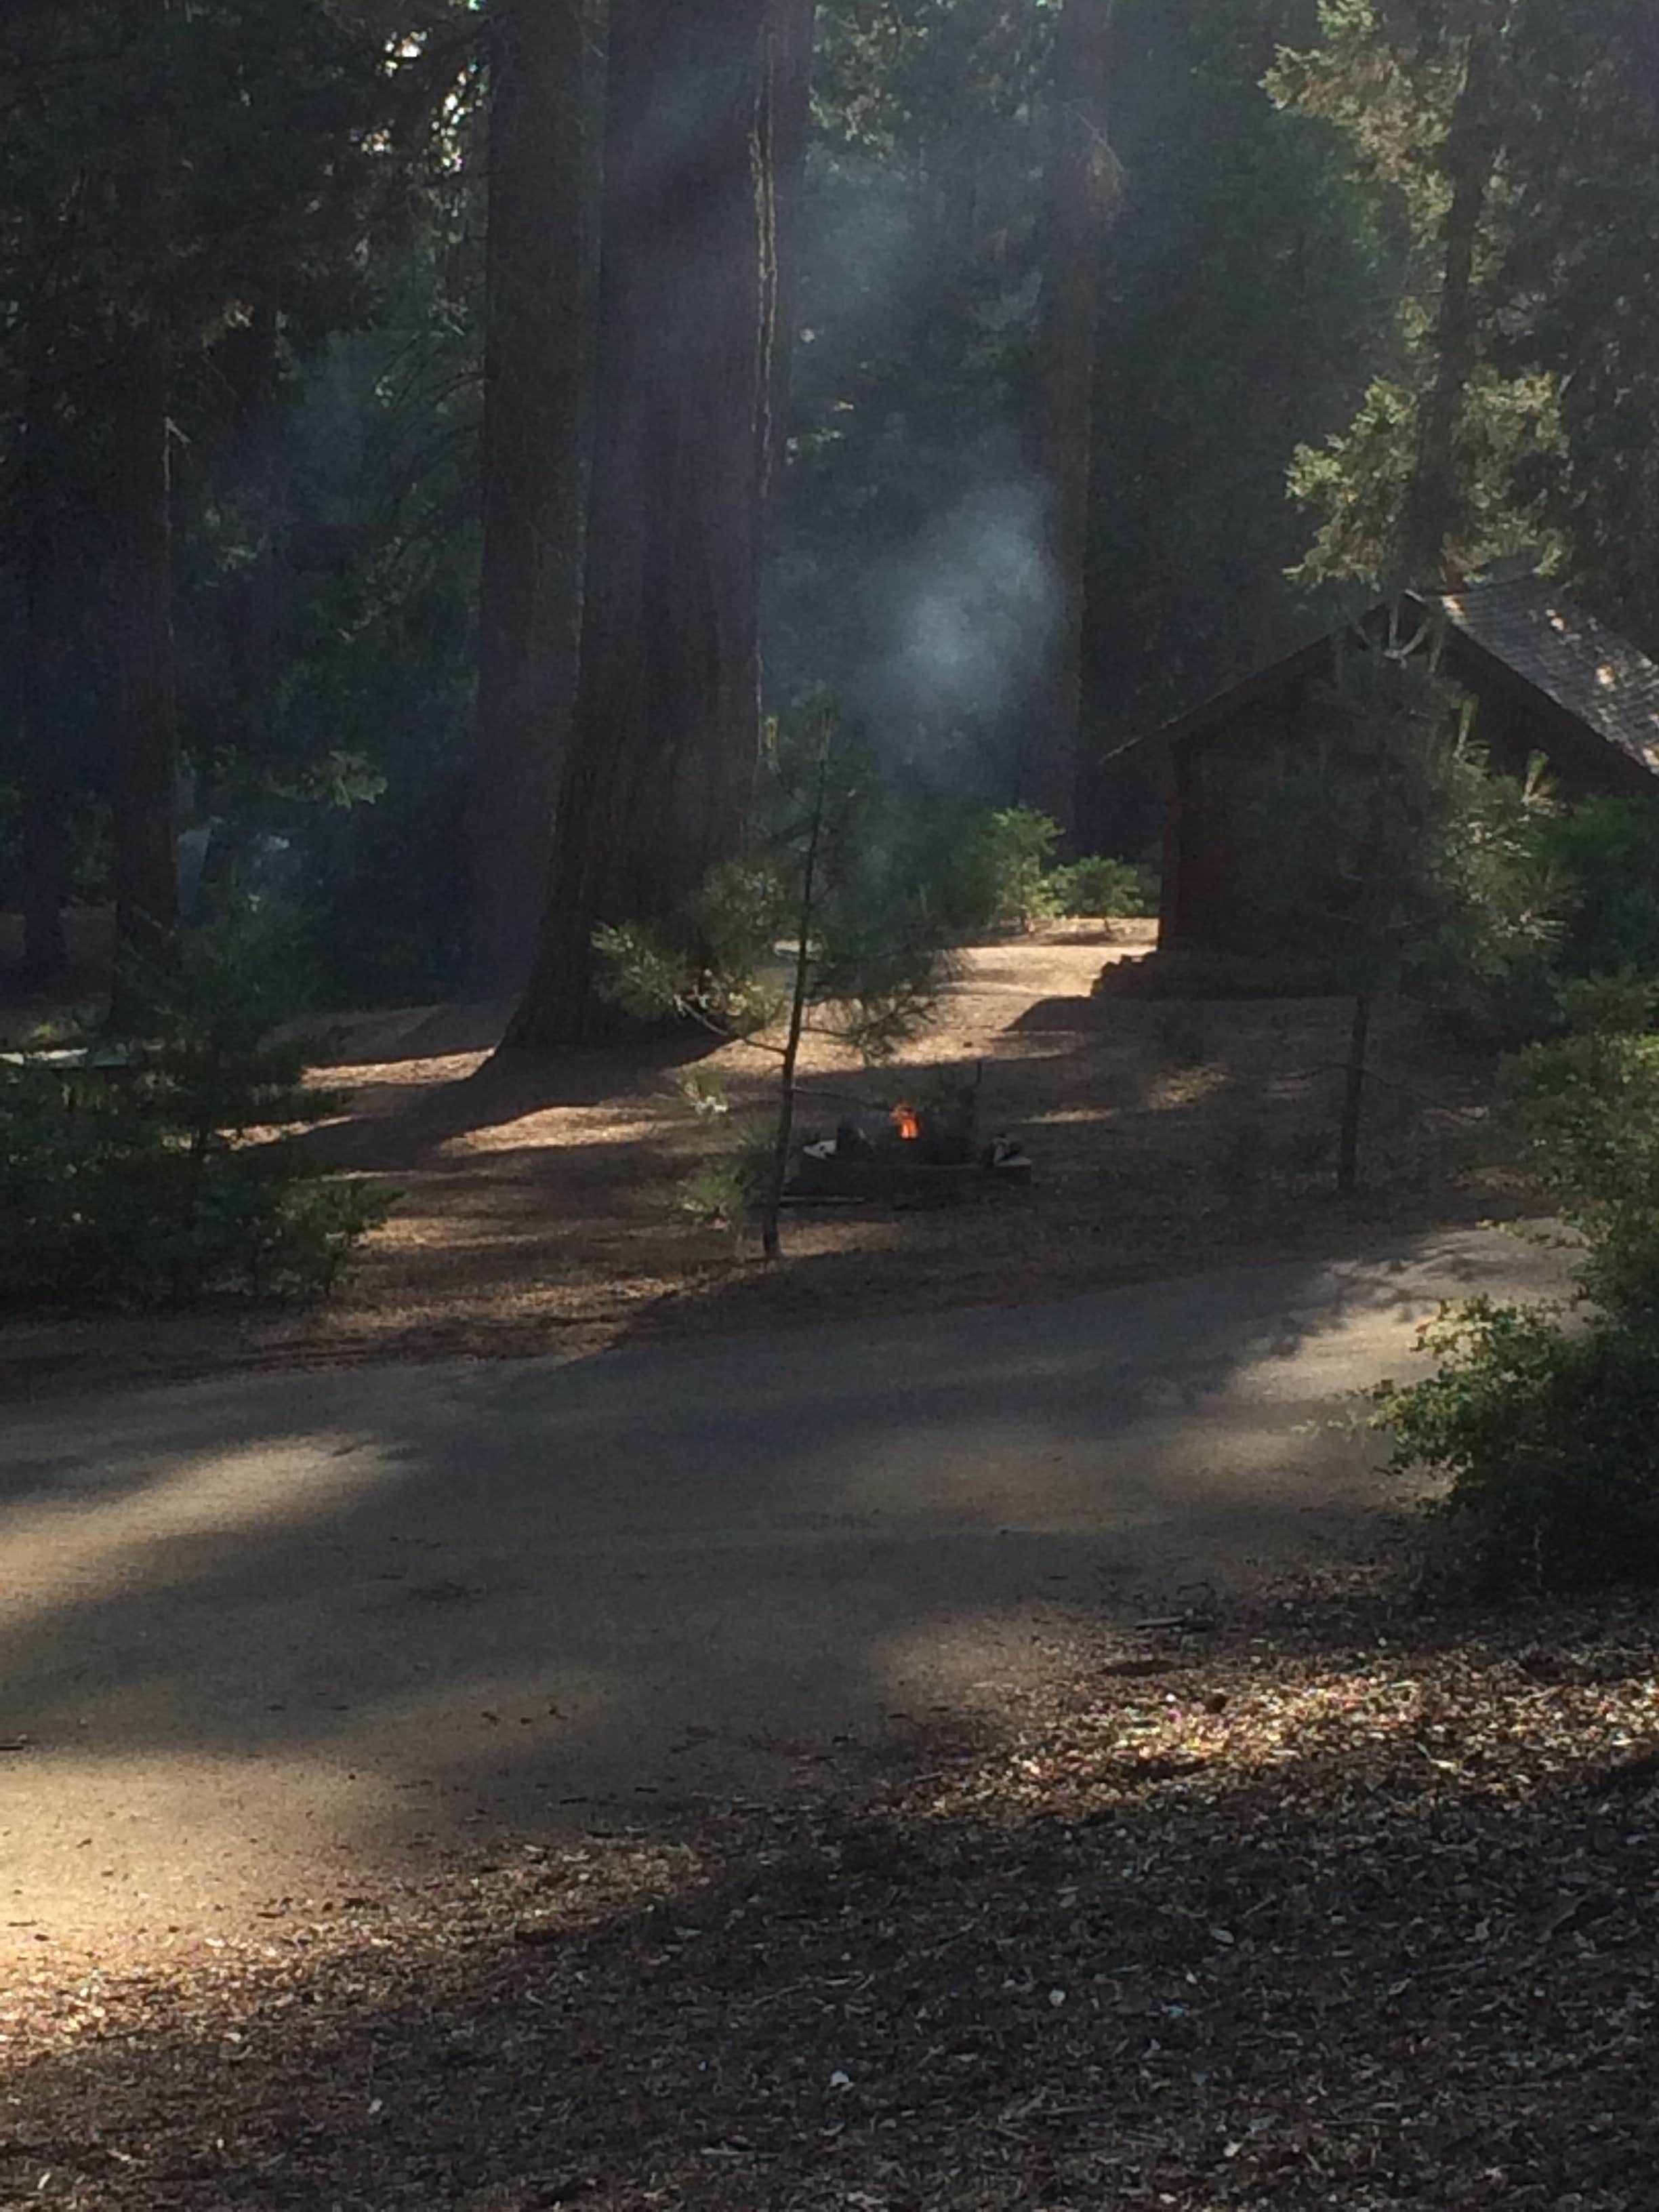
(864, 957)
(1354, 485)
(1585, 1114)
(1391, 848)
(1390, 852)
(1554, 382)
(1547, 1438)
(721, 1192)
(1010, 854)
(170, 1170)
(879, 937)
(1101, 886)
(1606, 853)
(1547, 1430)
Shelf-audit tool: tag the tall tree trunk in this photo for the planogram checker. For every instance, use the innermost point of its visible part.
(47, 852)
(791, 25)
(777, 1180)
(1433, 499)
(147, 755)
(666, 731)
(147, 740)
(1080, 191)
(250, 367)
(534, 375)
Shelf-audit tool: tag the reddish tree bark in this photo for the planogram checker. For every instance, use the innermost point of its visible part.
(665, 735)
(147, 758)
(46, 781)
(534, 375)
(1080, 192)
(140, 613)
(791, 28)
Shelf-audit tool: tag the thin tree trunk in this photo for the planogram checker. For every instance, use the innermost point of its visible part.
(146, 767)
(771, 1239)
(534, 375)
(1353, 1096)
(251, 365)
(1433, 501)
(147, 755)
(1081, 183)
(666, 733)
(46, 848)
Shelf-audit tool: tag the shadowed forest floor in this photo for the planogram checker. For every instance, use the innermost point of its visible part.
(1330, 1905)
(537, 1209)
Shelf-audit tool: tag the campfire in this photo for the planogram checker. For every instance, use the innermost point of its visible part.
(932, 1145)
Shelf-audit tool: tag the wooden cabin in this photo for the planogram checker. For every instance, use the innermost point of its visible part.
(1548, 679)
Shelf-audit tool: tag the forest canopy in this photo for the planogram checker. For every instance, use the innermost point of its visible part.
(434, 438)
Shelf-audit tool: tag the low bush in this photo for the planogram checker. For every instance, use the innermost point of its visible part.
(982, 872)
(169, 1170)
(1100, 887)
(1015, 851)
(1546, 1425)
(1547, 1438)
(1605, 854)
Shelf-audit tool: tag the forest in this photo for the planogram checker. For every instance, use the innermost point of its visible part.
(829, 1105)
(436, 441)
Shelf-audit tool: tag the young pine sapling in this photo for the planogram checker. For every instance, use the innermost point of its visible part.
(1393, 849)
(820, 930)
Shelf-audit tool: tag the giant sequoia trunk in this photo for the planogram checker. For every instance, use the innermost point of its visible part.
(1434, 499)
(1081, 180)
(530, 594)
(791, 28)
(665, 735)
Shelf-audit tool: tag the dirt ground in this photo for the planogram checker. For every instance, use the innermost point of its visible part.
(1337, 1907)
(537, 1213)
(1306, 1899)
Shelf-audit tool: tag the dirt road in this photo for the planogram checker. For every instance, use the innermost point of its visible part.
(263, 1635)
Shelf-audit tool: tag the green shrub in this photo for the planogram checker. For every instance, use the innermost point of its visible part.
(1583, 1113)
(1549, 1433)
(1606, 853)
(1547, 1437)
(171, 1172)
(996, 872)
(1101, 886)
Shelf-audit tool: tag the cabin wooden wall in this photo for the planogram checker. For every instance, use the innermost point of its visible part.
(1206, 898)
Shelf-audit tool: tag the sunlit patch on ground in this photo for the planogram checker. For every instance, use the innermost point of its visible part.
(538, 1209)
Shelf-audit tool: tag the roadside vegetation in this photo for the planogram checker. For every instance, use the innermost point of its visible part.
(162, 1166)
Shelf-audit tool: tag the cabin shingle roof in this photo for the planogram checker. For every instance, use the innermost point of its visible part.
(1586, 668)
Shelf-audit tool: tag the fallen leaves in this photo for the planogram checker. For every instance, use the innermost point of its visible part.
(1344, 1911)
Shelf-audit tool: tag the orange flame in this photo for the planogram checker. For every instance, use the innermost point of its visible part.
(908, 1122)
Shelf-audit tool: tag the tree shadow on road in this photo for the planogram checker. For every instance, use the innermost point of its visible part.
(1345, 1912)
